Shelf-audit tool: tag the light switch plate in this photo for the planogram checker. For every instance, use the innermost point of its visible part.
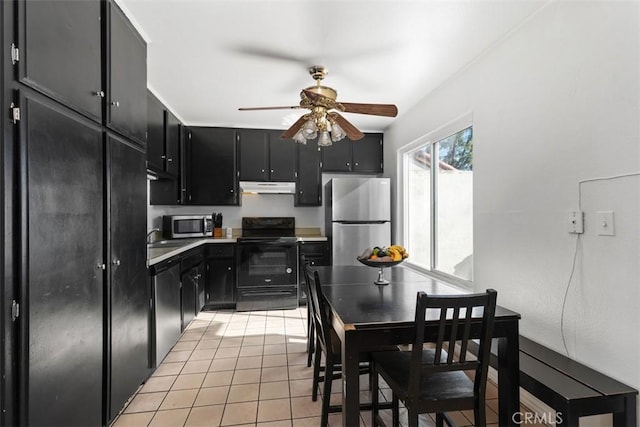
(575, 223)
(606, 223)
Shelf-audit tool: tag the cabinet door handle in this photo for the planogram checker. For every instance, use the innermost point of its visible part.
(347, 163)
(163, 157)
(231, 191)
(116, 262)
(356, 163)
(99, 93)
(271, 170)
(115, 103)
(261, 170)
(300, 191)
(101, 266)
(229, 268)
(169, 159)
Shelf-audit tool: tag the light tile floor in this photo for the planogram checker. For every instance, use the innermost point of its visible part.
(245, 369)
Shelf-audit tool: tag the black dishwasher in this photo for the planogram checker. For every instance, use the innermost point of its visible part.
(167, 308)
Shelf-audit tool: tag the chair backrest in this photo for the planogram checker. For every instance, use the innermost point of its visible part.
(459, 318)
(319, 310)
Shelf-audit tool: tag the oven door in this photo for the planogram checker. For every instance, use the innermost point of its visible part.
(267, 263)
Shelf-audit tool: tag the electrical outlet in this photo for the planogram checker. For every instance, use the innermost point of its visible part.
(606, 223)
(575, 224)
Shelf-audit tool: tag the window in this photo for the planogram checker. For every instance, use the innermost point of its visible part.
(438, 202)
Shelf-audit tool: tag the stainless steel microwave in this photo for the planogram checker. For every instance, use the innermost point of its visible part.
(179, 226)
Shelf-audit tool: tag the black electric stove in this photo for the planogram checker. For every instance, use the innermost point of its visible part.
(267, 264)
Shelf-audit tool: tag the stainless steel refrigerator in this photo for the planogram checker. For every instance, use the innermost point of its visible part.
(357, 216)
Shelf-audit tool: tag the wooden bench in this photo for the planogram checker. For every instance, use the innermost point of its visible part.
(573, 390)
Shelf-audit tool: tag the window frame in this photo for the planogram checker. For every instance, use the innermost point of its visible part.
(431, 138)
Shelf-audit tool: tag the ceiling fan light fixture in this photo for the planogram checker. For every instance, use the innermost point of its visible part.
(337, 133)
(309, 129)
(324, 139)
(300, 138)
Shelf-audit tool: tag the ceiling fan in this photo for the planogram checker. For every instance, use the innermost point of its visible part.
(324, 116)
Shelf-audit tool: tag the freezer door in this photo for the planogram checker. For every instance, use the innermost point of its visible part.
(350, 240)
(361, 199)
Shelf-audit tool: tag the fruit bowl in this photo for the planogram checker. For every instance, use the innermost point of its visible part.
(376, 263)
(381, 265)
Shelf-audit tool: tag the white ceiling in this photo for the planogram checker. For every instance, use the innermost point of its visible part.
(206, 58)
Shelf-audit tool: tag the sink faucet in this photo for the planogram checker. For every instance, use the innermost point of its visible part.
(150, 234)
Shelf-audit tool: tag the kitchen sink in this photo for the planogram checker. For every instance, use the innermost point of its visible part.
(169, 243)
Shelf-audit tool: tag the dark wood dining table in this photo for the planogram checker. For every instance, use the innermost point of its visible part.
(368, 316)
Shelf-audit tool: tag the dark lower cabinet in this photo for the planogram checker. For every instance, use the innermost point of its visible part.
(167, 307)
(192, 281)
(316, 254)
(188, 285)
(129, 292)
(220, 288)
(64, 282)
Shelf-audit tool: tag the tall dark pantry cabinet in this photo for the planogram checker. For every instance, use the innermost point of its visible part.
(75, 295)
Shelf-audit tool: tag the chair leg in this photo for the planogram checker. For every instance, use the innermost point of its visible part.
(395, 410)
(479, 413)
(316, 371)
(413, 418)
(311, 336)
(373, 385)
(326, 395)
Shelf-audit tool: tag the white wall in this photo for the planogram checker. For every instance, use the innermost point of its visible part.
(555, 102)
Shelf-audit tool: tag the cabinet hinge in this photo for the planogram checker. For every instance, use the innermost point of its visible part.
(15, 54)
(15, 310)
(15, 113)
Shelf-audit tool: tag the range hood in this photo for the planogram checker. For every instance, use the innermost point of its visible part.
(258, 187)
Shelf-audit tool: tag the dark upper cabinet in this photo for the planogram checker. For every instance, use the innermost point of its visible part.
(265, 157)
(212, 161)
(172, 144)
(362, 156)
(308, 176)
(336, 157)
(282, 158)
(164, 153)
(127, 76)
(155, 133)
(129, 282)
(60, 52)
(367, 154)
(254, 154)
(64, 282)
(185, 155)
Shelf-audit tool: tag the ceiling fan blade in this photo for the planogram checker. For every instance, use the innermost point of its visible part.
(287, 107)
(352, 132)
(387, 110)
(289, 133)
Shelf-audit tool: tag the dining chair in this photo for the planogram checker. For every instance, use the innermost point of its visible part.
(327, 344)
(435, 380)
(311, 331)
